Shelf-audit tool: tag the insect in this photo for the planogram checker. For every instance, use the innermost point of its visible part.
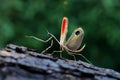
(72, 44)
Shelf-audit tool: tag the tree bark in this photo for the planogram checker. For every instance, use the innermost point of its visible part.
(22, 63)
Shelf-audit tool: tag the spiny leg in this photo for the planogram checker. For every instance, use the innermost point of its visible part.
(83, 57)
(40, 39)
(57, 52)
(58, 43)
(48, 47)
(53, 37)
(69, 53)
(45, 41)
(75, 52)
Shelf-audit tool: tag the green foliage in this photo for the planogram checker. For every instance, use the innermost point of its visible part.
(100, 20)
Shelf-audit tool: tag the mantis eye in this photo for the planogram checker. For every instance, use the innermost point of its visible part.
(77, 32)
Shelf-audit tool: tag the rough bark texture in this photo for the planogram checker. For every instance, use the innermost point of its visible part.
(21, 63)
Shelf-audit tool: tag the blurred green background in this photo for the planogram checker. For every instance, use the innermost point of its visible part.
(100, 20)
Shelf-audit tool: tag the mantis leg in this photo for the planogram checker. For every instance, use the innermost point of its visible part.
(58, 43)
(69, 53)
(48, 47)
(45, 41)
(83, 57)
(54, 37)
(57, 52)
(40, 39)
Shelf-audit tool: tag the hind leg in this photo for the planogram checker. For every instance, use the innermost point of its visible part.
(84, 58)
(73, 54)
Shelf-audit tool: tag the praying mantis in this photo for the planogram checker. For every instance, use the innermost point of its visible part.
(71, 45)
